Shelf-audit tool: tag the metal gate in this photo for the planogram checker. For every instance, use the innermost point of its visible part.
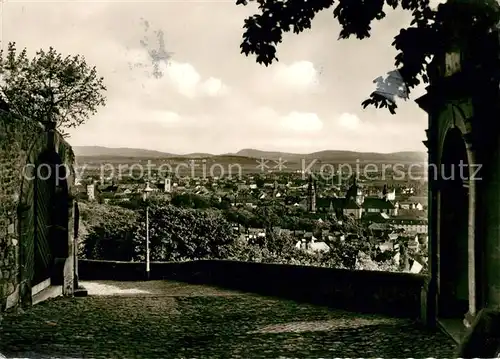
(43, 198)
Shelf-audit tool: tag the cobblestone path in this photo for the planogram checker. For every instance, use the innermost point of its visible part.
(174, 320)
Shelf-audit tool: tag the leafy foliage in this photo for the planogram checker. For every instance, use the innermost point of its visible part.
(281, 250)
(110, 232)
(50, 87)
(268, 214)
(431, 31)
(191, 200)
(283, 245)
(243, 217)
(179, 234)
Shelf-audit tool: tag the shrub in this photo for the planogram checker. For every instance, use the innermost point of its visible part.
(110, 232)
(181, 233)
(178, 234)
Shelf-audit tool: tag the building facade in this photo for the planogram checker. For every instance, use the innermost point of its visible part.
(463, 105)
(38, 213)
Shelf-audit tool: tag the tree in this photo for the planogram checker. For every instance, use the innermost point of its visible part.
(50, 87)
(283, 245)
(240, 216)
(266, 215)
(342, 254)
(191, 200)
(201, 202)
(110, 232)
(182, 200)
(224, 203)
(429, 33)
(185, 233)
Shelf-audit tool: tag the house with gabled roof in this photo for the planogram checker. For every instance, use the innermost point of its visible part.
(410, 224)
(353, 208)
(379, 205)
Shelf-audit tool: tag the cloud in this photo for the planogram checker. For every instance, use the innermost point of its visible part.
(184, 77)
(349, 121)
(188, 82)
(181, 76)
(282, 84)
(200, 105)
(299, 76)
(302, 122)
(214, 87)
(164, 117)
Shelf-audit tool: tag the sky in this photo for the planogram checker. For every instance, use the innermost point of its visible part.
(209, 97)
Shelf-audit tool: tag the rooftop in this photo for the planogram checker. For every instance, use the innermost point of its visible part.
(160, 319)
(377, 203)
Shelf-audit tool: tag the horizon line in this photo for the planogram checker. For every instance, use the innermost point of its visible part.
(248, 149)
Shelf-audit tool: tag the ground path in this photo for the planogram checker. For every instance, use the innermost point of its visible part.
(160, 319)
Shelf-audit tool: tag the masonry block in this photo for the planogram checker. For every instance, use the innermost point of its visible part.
(21, 143)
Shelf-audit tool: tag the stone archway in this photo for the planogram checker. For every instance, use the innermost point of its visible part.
(51, 232)
(46, 218)
(453, 273)
(462, 101)
(454, 258)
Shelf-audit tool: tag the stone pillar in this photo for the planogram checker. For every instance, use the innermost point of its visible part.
(432, 248)
(471, 243)
(437, 239)
(26, 239)
(429, 308)
(490, 212)
(69, 264)
(76, 219)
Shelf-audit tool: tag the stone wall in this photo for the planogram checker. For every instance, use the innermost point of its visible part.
(395, 294)
(21, 142)
(15, 139)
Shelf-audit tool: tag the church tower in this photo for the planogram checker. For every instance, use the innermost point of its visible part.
(355, 193)
(311, 195)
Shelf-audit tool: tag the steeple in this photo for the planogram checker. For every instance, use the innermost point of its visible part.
(311, 195)
(354, 192)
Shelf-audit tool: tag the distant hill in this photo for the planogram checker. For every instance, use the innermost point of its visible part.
(197, 155)
(338, 156)
(98, 151)
(331, 156)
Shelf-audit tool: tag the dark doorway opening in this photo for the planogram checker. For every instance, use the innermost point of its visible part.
(51, 219)
(453, 296)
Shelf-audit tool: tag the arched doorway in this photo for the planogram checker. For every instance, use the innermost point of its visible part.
(50, 221)
(453, 228)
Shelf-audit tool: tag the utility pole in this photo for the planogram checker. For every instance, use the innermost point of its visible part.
(146, 194)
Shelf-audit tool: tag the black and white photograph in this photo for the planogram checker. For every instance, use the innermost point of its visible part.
(249, 179)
